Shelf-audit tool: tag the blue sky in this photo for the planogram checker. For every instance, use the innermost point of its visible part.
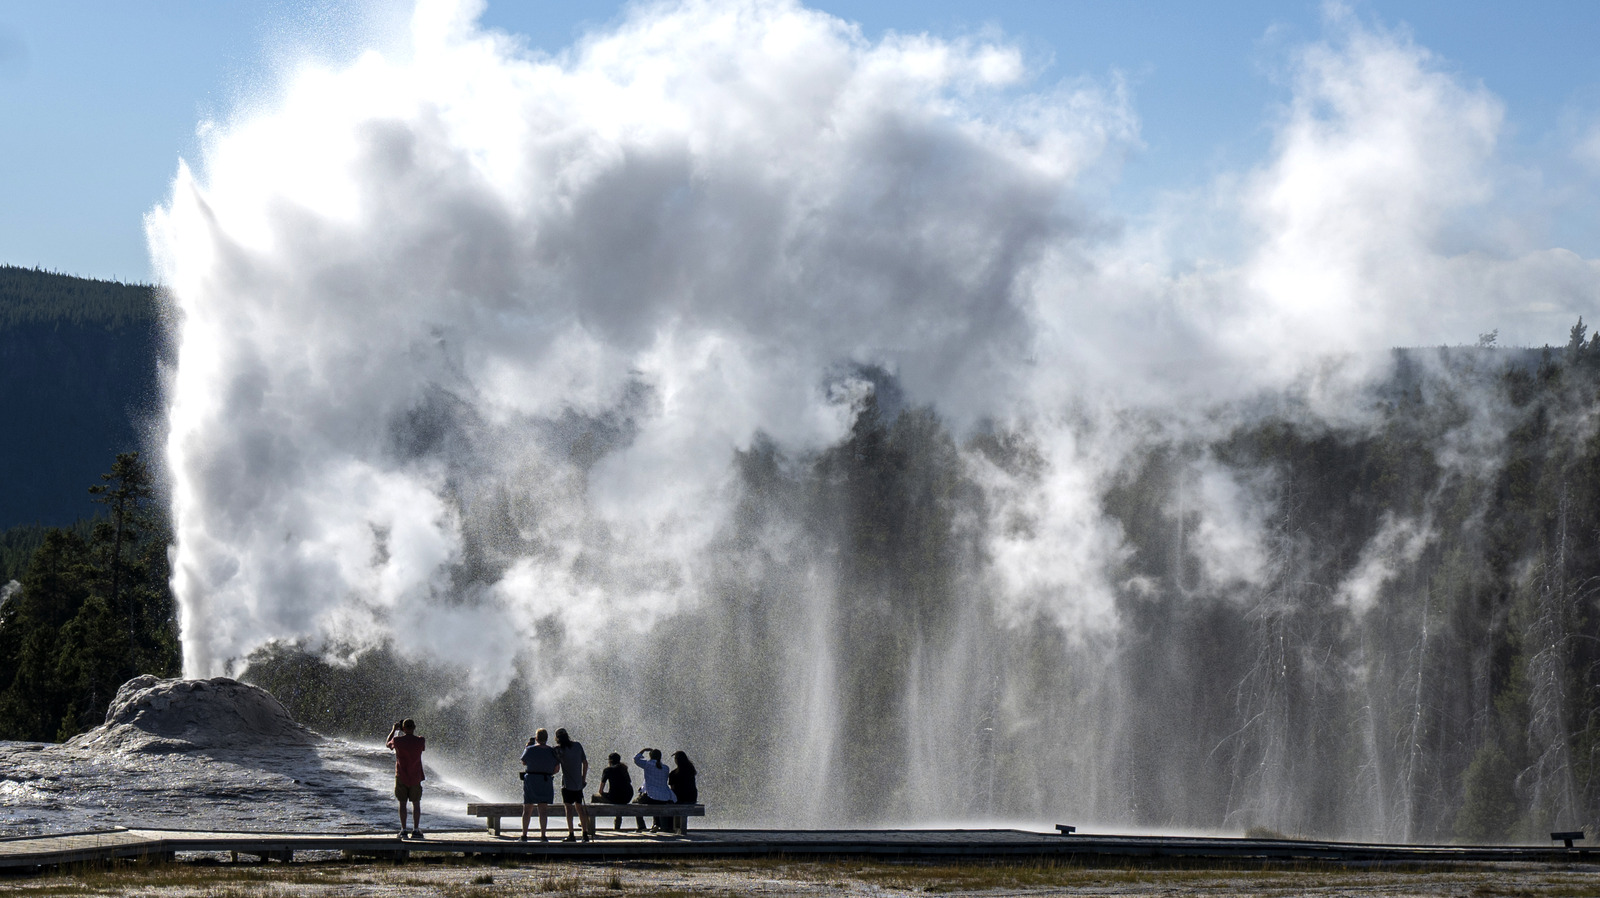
(101, 99)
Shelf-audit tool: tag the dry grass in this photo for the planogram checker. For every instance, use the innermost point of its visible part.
(207, 879)
(456, 878)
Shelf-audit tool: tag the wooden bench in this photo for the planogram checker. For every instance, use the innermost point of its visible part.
(1568, 837)
(681, 813)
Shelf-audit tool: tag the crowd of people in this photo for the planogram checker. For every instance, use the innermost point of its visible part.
(541, 762)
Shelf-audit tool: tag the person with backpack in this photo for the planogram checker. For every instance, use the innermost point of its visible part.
(540, 763)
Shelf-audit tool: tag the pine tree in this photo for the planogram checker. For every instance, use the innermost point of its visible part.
(53, 590)
(90, 614)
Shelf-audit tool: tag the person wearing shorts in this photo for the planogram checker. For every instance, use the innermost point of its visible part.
(540, 763)
(408, 747)
(574, 776)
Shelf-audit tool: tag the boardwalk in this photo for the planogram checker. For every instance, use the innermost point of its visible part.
(27, 853)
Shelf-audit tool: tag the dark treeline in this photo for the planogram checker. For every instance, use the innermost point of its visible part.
(18, 544)
(91, 609)
(78, 380)
(34, 296)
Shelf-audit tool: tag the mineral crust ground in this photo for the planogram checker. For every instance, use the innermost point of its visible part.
(974, 844)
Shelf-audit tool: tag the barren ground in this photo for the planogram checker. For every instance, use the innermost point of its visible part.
(461, 879)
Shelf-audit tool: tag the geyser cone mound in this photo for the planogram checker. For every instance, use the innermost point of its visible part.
(213, 755)
(150, 714)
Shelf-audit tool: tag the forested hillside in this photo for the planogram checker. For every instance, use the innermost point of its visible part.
(77, 383)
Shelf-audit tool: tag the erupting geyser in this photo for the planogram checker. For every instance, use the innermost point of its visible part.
(734, 382)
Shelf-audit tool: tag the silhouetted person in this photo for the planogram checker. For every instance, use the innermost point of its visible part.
(408, 747)
(539, 764)
(656, 790)
(616, 787)
(681, 782)
(574, 776)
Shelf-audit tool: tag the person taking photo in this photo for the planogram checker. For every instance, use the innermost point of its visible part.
(408, 747)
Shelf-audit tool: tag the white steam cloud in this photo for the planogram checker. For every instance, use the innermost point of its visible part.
(463, 288)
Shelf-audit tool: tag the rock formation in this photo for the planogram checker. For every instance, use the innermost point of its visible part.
(152, 715)
(212, 755)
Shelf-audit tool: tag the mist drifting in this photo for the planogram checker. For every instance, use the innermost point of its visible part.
(480, 353)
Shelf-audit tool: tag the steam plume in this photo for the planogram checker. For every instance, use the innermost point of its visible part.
(468, 338)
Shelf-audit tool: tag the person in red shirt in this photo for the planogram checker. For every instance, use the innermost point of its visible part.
(408, 747)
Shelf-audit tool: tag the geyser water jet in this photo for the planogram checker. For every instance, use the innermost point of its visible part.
(734, 381)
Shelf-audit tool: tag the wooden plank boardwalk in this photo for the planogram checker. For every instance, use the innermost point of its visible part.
(157, 844)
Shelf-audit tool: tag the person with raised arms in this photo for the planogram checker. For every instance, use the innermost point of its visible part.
(408, 747)
(656, 790)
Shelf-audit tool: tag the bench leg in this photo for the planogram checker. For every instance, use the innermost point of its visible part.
(494, 826)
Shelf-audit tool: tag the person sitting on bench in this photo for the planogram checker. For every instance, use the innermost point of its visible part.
(681, 782)
(656, 790)
(616, 787)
